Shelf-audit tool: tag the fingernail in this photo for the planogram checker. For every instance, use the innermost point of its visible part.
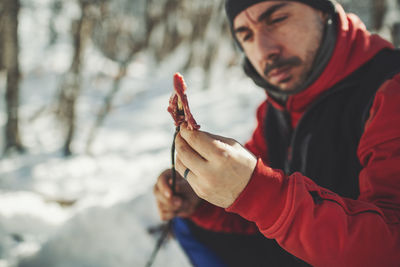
(167, 194)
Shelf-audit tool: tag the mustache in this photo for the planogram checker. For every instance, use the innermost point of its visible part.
(292, 62)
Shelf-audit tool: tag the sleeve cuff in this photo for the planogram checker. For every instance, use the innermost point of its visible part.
(202, 211)
(263, 199)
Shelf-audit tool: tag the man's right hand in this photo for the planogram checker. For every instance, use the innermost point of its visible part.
(182, 204)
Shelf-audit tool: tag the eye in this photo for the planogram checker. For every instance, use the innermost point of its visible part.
(246, 37)
(277, 20)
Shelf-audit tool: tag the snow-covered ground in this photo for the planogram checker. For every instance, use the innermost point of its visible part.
(95, 210)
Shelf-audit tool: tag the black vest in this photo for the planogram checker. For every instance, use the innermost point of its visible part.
(324, 144)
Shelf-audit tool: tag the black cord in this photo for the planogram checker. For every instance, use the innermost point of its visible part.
(166, 229)
(160, 241)
(177, 129)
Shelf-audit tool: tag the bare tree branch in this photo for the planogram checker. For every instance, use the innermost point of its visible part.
(10, 57)
(71, 84)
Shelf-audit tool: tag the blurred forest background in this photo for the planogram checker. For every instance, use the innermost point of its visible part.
(84, 132)
(121, 31)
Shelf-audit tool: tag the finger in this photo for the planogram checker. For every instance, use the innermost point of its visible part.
(167, 211)
(170, 203)
(181, 168)
(190, 158)
(223, 139)
(207, 145)
(163, 184)
(181, 184)
(166, 215)
(161, 199)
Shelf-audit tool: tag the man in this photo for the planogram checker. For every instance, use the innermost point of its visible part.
(319, 182)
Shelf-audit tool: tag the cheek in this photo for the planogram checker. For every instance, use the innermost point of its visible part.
(253, 56)
(296, 45)
(302, 39)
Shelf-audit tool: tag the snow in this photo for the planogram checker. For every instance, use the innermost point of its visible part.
(95, 209)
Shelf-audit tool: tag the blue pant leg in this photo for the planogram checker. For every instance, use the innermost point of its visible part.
(216, 249)
(199, 254)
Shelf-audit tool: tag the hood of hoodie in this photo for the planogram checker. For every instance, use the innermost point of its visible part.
(354, 47)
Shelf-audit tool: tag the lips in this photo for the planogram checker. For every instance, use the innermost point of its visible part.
(280, 75)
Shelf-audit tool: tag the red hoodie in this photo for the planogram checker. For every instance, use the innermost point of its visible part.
(341, 232)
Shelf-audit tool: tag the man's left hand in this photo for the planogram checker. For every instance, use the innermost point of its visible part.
(220, 168)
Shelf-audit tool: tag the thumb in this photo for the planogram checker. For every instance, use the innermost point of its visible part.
(225, 140)
(181, 186)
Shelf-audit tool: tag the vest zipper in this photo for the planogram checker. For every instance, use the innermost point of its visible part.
(288, 152)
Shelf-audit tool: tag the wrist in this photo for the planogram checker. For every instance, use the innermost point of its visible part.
(266, 190)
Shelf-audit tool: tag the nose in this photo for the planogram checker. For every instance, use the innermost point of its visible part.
(268, 49)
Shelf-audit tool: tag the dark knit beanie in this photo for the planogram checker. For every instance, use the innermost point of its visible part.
(234, 7)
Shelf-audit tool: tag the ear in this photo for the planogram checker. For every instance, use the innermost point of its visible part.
(323, 16)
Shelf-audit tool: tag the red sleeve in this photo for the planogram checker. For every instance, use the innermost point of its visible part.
(323, 228)
(218, 219)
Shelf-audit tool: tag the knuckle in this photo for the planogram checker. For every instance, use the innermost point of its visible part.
(164, 179)
(201, 192)
(159, 196)
(181, 147)
(158, 186)
(155, 189)
(160, 205)
(178, 163)
(231, 141)
(166, 173)
(162, 187)
(221, 151)
(192, 137)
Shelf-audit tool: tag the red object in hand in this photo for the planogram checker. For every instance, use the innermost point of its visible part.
(179, 106)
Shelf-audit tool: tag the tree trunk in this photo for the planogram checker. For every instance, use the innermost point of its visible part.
(2, 2)
(71, 85)
(378, 13)
(10, 62)
(396, 34)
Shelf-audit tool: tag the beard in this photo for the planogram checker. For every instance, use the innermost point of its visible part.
(302, 69)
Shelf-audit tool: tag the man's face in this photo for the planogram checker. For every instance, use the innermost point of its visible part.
(281, 39)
